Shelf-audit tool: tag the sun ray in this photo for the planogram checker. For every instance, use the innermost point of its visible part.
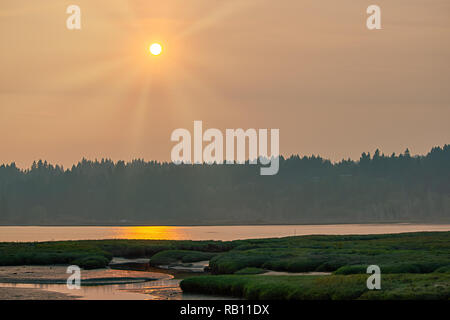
(227, 9)
(88, 75)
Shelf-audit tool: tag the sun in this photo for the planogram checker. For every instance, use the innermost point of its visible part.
(155, 49)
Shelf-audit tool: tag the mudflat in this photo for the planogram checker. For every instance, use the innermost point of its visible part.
(58, 274)
(32, 294)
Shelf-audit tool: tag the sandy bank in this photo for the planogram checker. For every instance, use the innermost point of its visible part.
(58, 275)
(32, 294)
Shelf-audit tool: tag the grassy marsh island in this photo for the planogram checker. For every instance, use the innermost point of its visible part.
(413, 265)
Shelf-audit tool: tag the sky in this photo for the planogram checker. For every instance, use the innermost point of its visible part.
(309, 68)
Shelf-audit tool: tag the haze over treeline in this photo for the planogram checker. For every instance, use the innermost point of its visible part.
(376, 188)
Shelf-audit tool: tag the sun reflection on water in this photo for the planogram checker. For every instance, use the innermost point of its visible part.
(150, 233)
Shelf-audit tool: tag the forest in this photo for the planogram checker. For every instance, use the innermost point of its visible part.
(377, 188)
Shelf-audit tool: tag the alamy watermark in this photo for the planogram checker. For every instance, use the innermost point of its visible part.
(214, 151)
(74, 280)
(373, 22)
(374, 281)
(73, 22)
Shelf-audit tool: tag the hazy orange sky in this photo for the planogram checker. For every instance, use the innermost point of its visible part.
(308, 67)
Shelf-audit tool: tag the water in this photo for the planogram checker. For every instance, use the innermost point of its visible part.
(34, 233)
(166, 289)
(36, 281)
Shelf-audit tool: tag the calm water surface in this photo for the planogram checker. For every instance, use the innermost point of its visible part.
(32, 233)
(168, 289)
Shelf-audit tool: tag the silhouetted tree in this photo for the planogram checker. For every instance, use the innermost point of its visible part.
(306, 190)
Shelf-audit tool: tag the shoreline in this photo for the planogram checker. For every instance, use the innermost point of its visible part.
(23, 234)
(253, 224)
(16, 284)
(402, 258)
(30, 282)
(8, 293)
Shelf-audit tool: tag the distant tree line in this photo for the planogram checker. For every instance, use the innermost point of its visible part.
(376, 188)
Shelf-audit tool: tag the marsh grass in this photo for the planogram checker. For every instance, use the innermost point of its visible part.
(422, 252)
(251, 271)
(91, 254)
(396, 253)
(333, 287)
(173, 256)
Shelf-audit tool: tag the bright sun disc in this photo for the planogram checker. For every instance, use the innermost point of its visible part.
(155, 49)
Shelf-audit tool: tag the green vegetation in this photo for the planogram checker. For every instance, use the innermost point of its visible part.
(423, 252)
(445, 269)
(45, 253)
(333, 287)
(395, 253)
(173, 256)
(413, 265)
(250, 271)
(147, 248)
(92, 262)
(98, 253)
